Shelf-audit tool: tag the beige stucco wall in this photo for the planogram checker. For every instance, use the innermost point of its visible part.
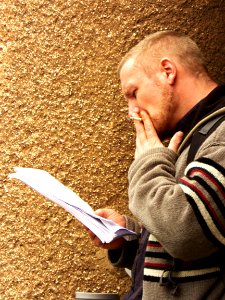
(62, 111)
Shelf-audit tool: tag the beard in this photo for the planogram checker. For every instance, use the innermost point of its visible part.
(163, 123)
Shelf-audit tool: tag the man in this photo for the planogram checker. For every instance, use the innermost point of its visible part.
(180, 207)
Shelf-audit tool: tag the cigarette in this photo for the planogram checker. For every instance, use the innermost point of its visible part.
(135, 118)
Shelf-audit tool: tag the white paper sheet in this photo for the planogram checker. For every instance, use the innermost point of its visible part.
(50, 187)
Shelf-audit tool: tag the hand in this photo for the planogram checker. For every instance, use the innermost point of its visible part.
(147, 137)
(112, 215)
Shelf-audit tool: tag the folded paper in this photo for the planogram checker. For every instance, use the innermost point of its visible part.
(44, 183)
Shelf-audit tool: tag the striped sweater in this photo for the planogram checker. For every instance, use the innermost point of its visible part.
(183, 208)
(192, 231)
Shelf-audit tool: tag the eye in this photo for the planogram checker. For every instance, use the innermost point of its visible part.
(134, 94)
(131, 94)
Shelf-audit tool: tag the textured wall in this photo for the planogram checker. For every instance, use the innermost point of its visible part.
(62, 111)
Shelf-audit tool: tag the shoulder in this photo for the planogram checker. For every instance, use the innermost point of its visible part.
(214, 145)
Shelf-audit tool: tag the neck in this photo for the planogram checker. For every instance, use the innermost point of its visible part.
(191, 91)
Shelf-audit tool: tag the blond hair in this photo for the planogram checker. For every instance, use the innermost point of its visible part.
(166, 43)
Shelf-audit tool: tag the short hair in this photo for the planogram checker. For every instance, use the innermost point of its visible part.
(169, 42)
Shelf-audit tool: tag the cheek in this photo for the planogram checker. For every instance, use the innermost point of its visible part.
(149, 99)
(144, 100)
(149, 103)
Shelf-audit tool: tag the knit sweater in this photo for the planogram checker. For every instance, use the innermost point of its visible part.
(183, 208)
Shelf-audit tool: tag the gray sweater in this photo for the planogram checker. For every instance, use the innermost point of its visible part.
(183, 208)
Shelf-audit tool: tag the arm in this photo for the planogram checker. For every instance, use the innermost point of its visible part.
(164, 205)
(124, 256)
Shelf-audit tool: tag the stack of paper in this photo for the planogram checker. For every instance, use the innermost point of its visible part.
(47, 185)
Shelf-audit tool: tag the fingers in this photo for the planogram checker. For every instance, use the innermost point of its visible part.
(103, 212)
(97, 242)
(150, 132)
(146, 135)
(175, 141)
(109, 214)
(112, 215)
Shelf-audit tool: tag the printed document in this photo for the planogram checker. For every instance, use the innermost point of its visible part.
(44, 183)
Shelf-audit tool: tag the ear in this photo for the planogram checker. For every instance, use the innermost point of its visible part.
(169, 69)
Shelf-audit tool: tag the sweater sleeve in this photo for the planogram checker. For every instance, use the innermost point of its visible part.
(182, 213)
(124, 257)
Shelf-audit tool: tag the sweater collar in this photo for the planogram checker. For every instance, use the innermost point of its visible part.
(212, 102)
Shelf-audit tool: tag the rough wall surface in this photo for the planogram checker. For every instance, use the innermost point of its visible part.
(62, 111)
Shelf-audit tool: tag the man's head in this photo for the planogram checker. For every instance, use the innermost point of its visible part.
(157, 75)
(168, 43)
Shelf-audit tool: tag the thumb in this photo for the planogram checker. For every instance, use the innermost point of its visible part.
(175, 141)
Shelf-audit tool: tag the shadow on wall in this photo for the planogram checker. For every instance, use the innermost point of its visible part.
(210, 34)
(202, 20)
